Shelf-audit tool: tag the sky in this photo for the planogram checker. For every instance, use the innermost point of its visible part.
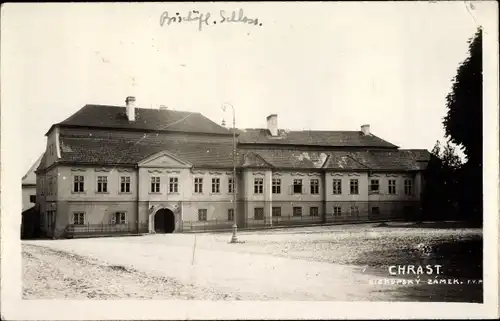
(319, 66)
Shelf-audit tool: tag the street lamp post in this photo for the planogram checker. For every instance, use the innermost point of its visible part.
(234, 238)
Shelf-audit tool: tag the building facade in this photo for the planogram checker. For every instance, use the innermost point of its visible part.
(123, 169)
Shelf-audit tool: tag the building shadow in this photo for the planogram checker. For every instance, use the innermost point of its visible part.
(431, 224)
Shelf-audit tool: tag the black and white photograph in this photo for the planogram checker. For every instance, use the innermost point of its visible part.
(249, 160)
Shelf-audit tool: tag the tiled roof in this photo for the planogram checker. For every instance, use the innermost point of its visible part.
(387, 160)
(313, 138)
(30, 177)
(114, 117)
(129, 150)
(292, 158)
(341, 160)
(42, 164)
(127, 143)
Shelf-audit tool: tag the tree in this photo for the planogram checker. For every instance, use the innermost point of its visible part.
(463, 121)
(441, 195)
(463, 127)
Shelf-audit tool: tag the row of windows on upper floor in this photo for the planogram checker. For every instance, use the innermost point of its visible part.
(296, 188)
(155, 185)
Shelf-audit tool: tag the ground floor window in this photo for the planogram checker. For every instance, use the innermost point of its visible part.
(202, 215)
(297, 211)
(354, 211)
(276, 211)
(337, 211)
(230, 214)
(51, 215)
(79, 218)
(119, 218)
(375, 210)
(258, 213)
(408, 210)
(314, 211)
(32, 198)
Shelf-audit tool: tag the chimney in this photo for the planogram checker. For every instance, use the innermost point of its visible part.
(130, 103)
(365, 129)
(163, 107)
(272, 124)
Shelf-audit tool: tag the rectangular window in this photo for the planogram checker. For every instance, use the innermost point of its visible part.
(337, 186)
(375, 210)
(202, 215)
(173, 185)
(337, 211)
(408, 210)
(354, 184)
(102, 184)
(79, 218)
(216, 185)
(297, 211)
(230, 214)
(276, 211)
(32, 198)
(50, 219)
(408, 187)
(258, 213)
(314, 186)
(77, 184)
(392, 186)
(314, 211)
(155, 184)
(297, 186)
(198, 185)
(125, 184)
(374, 186)
(231, 186)
(42, 187)
(119, 218)
(276, 185)
(354, 211)
(258, 185)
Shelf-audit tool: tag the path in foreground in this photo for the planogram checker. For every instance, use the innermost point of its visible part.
(324, 263)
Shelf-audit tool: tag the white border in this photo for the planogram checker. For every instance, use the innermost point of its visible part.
(13, 308)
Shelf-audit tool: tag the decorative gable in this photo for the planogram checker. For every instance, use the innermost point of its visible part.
(164, 159)
(254, 160)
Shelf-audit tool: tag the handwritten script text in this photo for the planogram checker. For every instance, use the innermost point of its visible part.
(206, 18)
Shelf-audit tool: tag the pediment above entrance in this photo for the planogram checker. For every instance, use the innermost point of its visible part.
(164, 159)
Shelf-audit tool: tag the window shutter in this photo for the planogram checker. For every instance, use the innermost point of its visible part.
(126, 220)
(290, 189)
(113, 218)
(304, 189)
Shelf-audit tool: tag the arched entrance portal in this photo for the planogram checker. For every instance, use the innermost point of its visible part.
(164, 221)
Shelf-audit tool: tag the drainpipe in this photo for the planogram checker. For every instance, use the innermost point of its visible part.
(323, 185)
(137, 198)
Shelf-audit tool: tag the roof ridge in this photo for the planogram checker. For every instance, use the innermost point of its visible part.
(303, 130)
(143, 108)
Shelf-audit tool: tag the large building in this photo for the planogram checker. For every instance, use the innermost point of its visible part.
(127, 169)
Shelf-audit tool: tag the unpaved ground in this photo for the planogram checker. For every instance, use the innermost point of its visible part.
(53, 274)
(316, 263)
